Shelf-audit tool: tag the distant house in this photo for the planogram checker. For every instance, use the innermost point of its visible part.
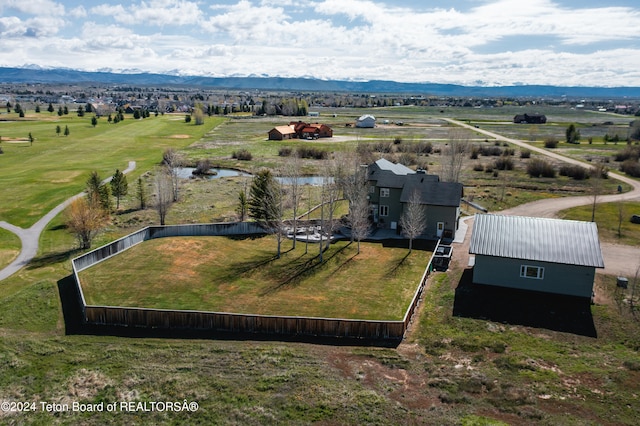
(280, 133)
(366, 121)
(301, 130)
(391, 187)
(530, 119)
(537, 254)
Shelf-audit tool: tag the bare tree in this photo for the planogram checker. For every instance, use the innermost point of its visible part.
(85, 219)
(292, 172)
(621, 214)
(596, 190)
(355, 189)
(454, 155)
(414, 218)
(163, 192)
(173, 161)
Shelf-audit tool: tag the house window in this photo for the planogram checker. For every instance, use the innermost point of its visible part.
(535, 272)
(372, 189)
(384, 192)
(384, 210)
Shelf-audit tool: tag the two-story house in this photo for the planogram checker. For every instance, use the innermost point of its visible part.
(391, 188)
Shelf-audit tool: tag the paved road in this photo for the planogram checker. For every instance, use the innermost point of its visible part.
(31, 236)
(618, 259)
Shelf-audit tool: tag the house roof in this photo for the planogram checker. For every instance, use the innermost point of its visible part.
(397, 169)
(567, 242)
(431, 191)
(285, 130)
(366, 117)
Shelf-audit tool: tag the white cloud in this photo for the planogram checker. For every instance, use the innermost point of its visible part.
(342, 39)
(159, 13)
(34, 7)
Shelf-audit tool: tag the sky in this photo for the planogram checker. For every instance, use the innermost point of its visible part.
(467, 42)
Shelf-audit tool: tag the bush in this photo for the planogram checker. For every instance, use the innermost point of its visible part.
(628, 153)
(424, 148)
(509, 151)
(525, 153)
(599, 170)
(631, 167)
(478, 167)
(487, 151)
(243, 155)
(285, 151)
(202, 167)
(315, 153)
(475, 151)
(574, 171)
(540, 168)
(407, 159)
(503, 163)
(550, 143)
(397, 141)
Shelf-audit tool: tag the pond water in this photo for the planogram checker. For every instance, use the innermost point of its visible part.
(187, 172)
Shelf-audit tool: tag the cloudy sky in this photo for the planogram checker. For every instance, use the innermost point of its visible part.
(469, 42)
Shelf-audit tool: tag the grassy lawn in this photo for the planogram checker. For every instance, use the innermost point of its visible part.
(36, 178)
(229, 275)
(9, 247)
(608, 217)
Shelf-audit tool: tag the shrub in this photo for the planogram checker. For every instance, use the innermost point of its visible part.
(494, 151)
(424, 148)
(503, 163)
(599, 170)
(383, 147)
(315, 153)
(407, 159)
(285, 151)
(632, 153)
(202, 167)
(475, 151)
(540, 168)
(478, 167)
(574, 171)
(631, 167)
(509, 151)
(550, 143)
(525, 153)
(243, 155)
(397, 141)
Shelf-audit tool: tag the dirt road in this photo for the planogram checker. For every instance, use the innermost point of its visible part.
(618, 259)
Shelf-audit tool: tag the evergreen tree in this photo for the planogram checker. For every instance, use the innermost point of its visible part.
(58, 130)
(50, 108)
(66, 130)
(80, 111)
(60, 111)
(94, 121)
(65, 110)
(572, 134)
(37, 108)
(98, 194)
(141, 194)
(119, 186)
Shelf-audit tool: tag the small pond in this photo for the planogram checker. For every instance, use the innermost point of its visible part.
(187, 173)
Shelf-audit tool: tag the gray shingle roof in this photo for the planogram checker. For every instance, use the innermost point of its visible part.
(568, 242)
(431, 191)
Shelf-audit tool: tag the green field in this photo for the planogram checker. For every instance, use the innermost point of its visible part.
(36, 178)
(609, 216)
(243, 276)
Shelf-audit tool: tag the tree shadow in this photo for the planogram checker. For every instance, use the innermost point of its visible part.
(398, 265)
(297, 272)
(75, 325)
(51, 258)
(566, 314)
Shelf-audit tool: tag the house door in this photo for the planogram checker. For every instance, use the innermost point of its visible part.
(439, 229)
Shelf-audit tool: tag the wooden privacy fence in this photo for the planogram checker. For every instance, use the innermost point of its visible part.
(224, 321)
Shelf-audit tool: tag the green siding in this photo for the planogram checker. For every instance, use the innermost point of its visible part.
(570, 280)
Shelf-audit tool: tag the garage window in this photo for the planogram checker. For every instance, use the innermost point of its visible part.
(534, 272)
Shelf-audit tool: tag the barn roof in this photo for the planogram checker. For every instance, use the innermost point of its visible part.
(567, 242)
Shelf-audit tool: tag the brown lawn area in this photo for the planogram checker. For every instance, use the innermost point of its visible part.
(243, 276)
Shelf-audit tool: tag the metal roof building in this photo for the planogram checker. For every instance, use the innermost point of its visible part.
(570, 242)
(541, 254)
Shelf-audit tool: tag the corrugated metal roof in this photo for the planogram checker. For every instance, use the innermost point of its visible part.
(396, 168)
(568, 242)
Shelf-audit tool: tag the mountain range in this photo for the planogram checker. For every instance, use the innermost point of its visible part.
(33, 75)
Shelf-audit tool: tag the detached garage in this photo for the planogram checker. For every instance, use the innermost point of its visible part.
(538, 254)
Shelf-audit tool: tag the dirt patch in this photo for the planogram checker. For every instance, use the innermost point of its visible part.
(179, 137)
(61, 177)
